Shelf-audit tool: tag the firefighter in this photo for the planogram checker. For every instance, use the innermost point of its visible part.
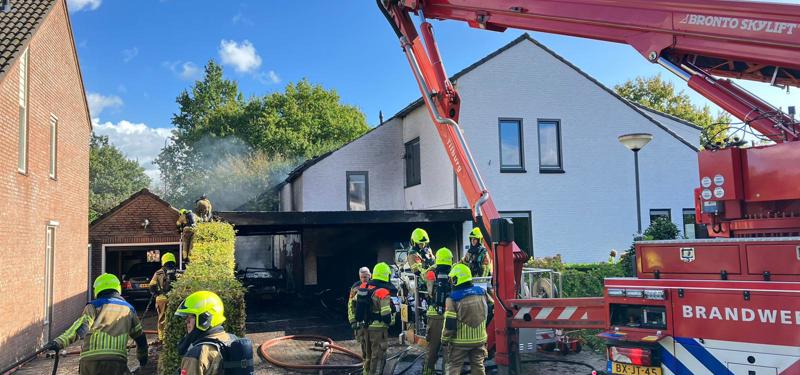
(204, 313)
(477, 258)
(160, 285)
(438, 280)
(364, 277)
(467, 311)
(187, 222)
(203, 208)
(420, 256)
(381, 316)
(105, 326)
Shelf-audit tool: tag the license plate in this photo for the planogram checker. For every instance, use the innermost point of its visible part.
(145, 286)
(626, 369)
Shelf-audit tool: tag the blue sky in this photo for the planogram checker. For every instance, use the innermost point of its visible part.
(136, 57)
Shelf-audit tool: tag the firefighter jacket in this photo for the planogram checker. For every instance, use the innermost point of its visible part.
(160, 284)
(203, 208)
(419, 260)
(382, 310)
(205, 358)
(465, 316)
(189, 219)
(478, 261)
(351, 303)
(105, 325)
(430, 280)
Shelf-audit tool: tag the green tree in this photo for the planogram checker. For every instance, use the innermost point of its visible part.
(112, 177)
(215, 125)
(658, 94)
(303, 121)
(662, 228)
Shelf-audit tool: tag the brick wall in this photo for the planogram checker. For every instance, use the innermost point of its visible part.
(28, 202)
(124, 225)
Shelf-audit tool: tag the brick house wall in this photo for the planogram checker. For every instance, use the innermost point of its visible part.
(31, 201)
(123, 225)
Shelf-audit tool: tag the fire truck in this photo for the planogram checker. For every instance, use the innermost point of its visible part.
(725, 305)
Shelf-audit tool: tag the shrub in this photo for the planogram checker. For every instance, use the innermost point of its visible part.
(662, 228)
(211, 268)
(582, 280)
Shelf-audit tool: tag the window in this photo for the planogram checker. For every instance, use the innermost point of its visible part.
(357, 191)
(523, 229)
(413, 176)
(511, 154)
(49, 253)
(655, 213)
(550, 147)
(691, 229)
(53, 145)
(22, 164)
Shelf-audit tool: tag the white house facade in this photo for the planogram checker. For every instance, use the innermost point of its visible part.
(544, 136)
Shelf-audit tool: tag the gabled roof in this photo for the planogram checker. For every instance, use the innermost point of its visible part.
(667, 115)
(641, 110)
(143, 192)
(18, 26)
(526, 37)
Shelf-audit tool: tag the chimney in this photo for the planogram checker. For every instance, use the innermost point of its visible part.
(380, 117)
(5, 6)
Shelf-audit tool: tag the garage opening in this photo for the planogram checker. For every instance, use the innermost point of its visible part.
(135, 265)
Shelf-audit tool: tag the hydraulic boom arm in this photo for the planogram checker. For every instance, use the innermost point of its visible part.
(693, 39)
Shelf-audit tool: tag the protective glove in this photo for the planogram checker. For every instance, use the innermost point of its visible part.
(52, 345)
(355, 326)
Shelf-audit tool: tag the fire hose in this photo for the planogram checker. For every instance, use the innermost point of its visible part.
(325, 342)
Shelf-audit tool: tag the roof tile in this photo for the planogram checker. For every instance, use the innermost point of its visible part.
(18, 25)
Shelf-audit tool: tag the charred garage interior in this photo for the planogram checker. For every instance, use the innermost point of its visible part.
(314, 251)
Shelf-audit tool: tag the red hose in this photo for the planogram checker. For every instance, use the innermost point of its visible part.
(263, 351)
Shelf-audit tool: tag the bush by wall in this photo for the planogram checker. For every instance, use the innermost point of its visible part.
(211, 267)
(582, 280)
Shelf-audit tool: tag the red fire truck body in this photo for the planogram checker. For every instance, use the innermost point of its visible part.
(726, 305)
(717, 307)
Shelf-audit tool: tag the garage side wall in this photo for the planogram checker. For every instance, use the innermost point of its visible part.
(124, 226)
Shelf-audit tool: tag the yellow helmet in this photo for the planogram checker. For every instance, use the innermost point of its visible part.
(206, 307)
(167, 257)
(476, 233)
(444, 257)
(106, 281)
(381, 272)
(460, 274)
(419, 235)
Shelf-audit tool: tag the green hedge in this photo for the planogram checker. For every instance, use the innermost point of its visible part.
(582, 280)
(211, 267)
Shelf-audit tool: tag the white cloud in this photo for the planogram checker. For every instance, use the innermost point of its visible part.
(186, 70)
(99, 102)
(269, 77)
(241, 18)
(129, 54)
(242, 56)
(136, 140)
(78, 5)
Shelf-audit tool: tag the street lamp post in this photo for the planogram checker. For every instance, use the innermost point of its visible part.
(636, 142)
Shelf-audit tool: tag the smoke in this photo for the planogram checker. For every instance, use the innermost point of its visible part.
(232, 174)
(254, 251)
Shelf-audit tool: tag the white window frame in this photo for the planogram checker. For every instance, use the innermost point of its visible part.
(53, 146)
(24, 90)
(49, 273)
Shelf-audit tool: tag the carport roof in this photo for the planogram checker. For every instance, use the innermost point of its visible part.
(300, 219)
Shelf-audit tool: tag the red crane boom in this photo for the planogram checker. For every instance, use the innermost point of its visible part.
(694, 39)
